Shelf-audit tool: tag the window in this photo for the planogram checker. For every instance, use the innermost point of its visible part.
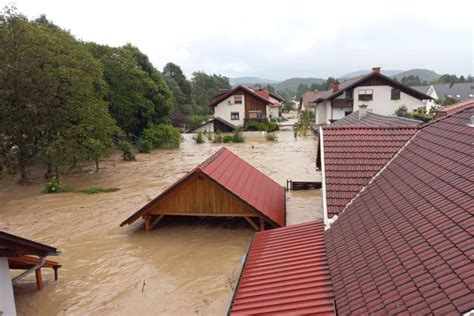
(366, 95)
(255, 114)
(395, 94)
(234, 116)
(237, 99)
(346, 113)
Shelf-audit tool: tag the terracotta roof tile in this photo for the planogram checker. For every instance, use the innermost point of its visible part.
(286, 273)
(353, 155)
(408, 235)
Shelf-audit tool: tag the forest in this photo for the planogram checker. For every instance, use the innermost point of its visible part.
(65, 102)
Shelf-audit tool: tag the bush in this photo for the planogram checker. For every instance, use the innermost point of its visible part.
(218, 138)
(144, 145)
(162, 136)
(402, 111)
(254, 125)
(271, 126)
(238, 137)
(54, 186)
(199, 138)
(228, 139)
(196, 120)
(271, 137)
(126, 149)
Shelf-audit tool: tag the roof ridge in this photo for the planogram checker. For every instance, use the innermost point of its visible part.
(209, 160)
(468, 107)
(401, 126)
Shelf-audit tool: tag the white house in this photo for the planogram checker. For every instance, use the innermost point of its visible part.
(456, 91)
(381, 94)
(242, 103)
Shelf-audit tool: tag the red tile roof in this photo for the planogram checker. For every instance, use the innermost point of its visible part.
(405, 244)
(454, 108)
(224, 95)
(308, 97)
(286, 273)
(242, 180)
(353, 155)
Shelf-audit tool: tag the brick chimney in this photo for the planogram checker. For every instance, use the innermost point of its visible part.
(376, 70)
(335, 86)
(362, 110)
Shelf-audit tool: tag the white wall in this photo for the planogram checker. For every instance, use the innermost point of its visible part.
(209, 127)
(7, 301)
(322, 113)
(339, 113)
(382, 102)
(274, 111)
(224, 109)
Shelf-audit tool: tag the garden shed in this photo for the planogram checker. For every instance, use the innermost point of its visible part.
(224, 185)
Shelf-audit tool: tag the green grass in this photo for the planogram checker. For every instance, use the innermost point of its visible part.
(98, 189)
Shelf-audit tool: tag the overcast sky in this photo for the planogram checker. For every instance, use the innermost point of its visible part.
(277, 39)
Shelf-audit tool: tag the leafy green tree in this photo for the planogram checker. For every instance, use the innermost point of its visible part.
(302, 89)
(174, 72)
(136, 92)
(205, 87)
(50, 104)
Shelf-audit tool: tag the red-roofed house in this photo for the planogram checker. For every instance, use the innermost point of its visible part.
(307, 98)
(286, 273)
(241, 103)
(349, 157)
(403, 245)
(223, 185)
(381, 94)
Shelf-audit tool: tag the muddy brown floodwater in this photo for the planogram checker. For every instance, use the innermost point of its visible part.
(185, 266)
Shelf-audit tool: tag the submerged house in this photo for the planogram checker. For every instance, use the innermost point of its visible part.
(224, 185)
(381, 95)
(243, 103)
(403, 245)
(18, 253)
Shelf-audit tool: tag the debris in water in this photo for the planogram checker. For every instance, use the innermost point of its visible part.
(143, 286)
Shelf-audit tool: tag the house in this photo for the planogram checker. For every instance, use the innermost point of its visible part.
(363, 117)
(402, 245)
(306, 100)
(285, 273)
(381, 94)
(223, 185)
(17, 253)
(456, 91)
(242, 103)
(215, 124)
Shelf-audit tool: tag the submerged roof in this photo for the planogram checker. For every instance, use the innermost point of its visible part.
(404, 245)
(353, 155)
(15, 246)
(373, 119)
(362, 80)
(224, 95)
(212, 120)
(243, 181)
(286, 272)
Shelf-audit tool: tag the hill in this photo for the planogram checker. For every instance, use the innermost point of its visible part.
(250, 81)
(293, 83)
(388, 73)
(423, 74)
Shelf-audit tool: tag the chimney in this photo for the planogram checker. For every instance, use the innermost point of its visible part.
(362, 110)
(376, 70)
(335, 86)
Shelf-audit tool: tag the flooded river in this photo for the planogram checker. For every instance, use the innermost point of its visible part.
(185, 266)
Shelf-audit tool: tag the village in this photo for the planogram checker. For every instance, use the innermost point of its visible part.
(169, 159)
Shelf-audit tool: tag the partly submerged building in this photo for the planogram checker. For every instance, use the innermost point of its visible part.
(224, 185)
(18, 253)
(402, 245)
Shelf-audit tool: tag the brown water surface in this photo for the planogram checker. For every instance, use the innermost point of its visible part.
(185, 266)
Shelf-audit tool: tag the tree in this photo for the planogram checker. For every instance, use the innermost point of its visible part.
(205, 87)
(402, 111)
(50, 104)
(136, 92)
(411, 80)
(302, 89)
(174, 72)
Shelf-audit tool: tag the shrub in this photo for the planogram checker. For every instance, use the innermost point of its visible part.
(144, 145)
(199, 138)
(271, 137)
(271, 126)
(254, 125)
(126, 149)
(238, 137)
(218, 138)
(196, 120)
(162, 136)
(228, 139)
(54, 186)
(402, 111)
